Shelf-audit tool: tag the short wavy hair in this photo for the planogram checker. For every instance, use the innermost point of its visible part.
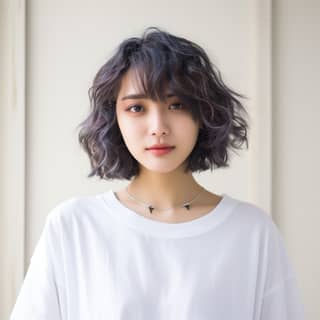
(163, 60)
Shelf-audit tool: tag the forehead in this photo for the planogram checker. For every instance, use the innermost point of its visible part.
(129, 84)
(139, 81)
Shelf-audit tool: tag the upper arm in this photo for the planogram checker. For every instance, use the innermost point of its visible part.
(283, 302)
(281, 297)
(38, 298)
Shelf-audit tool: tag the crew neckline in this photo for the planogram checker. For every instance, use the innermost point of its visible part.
(165, 229)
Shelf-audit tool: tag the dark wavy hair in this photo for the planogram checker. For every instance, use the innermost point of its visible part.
(163, 61)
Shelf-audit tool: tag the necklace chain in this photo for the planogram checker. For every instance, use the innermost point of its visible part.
(151, 207)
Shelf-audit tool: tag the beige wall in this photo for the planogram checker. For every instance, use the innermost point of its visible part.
(269, 55)
(12, 151)
(296, 133)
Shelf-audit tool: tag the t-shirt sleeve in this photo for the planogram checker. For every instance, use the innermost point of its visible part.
(282, 299)
(38, 298)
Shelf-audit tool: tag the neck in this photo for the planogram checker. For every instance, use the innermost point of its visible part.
(164, 190)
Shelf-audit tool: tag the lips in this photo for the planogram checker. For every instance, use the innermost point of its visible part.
(164, 148)
(161, 151)
(160, 146)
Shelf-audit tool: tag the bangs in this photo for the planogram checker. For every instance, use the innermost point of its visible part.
(157, 74)
(162, 64)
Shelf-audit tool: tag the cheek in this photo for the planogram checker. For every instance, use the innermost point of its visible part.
(186, 128)
(129, 130)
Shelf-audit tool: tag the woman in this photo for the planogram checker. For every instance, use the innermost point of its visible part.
(164, 247)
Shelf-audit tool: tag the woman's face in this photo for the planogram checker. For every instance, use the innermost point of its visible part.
(144, 122)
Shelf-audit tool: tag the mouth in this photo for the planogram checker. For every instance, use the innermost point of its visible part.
(160, 148)
(160, 151)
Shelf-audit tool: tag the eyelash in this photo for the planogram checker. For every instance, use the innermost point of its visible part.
(172, 104)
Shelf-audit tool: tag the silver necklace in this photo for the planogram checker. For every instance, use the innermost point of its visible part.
(151, 207)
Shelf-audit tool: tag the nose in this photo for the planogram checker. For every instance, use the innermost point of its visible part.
(159, 124)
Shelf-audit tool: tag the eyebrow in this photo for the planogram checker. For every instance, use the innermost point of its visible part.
(143, 96)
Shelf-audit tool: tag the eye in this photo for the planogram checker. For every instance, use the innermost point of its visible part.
(134, 106)
(176, 105)
(179, 104)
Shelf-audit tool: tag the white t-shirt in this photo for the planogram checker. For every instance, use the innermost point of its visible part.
(97, 259)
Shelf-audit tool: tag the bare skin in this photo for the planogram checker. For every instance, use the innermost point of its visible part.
(204, 204)
(162, 180)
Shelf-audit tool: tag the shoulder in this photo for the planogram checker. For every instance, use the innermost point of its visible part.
(250, 210)
(73, 208)
(250, 215)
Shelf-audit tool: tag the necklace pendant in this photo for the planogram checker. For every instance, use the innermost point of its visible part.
(187, 206)
(150, 209)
